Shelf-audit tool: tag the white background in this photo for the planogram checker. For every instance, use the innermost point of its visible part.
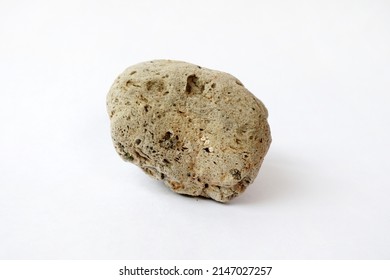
(321, 67)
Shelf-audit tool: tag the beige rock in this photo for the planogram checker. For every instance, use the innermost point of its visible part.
(199, 130)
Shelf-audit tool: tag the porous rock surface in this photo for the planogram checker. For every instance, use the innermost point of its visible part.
(199, 130)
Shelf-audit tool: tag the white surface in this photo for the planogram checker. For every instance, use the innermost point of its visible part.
(321, 67)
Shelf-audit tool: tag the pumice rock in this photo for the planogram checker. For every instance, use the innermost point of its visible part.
(199, 130)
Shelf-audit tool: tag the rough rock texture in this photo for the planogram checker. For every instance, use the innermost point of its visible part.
(199, 130)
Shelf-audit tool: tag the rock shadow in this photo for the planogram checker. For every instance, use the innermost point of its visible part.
(277, 180)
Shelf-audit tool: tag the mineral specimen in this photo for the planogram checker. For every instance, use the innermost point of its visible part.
(199, 130)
